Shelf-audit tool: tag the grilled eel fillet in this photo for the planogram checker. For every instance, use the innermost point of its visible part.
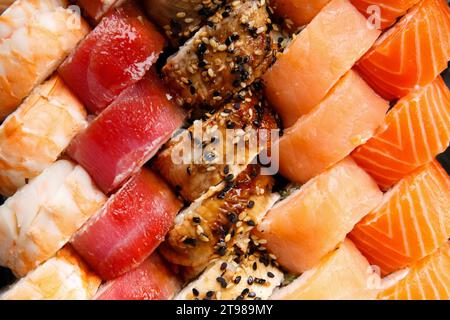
(223, 57)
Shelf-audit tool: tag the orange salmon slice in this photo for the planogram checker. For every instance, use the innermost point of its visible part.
(415, 131)
(312, 221)
(344, 120)
(315, 60)
(429, 279)
(343, 274)
(412, 222)
(386, 11)
(300, 12)
(412, 53)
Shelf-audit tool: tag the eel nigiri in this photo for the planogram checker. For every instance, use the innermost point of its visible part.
(115, 55)
(300, 12)
(64, 277)
(34, 136)
(152, 280)
(415, 131)
(386, 11)
(42, 216)
(412, 222)
(128, 133)
(427, 279)
(222, 58)
(410, 54)
(36, 48)
(315, 60)
(195, 176)
(312, 221)
(343, 274)
(210, 227)
(344, 120)
(129, 227)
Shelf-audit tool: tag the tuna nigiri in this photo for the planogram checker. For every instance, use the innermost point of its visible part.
(345, 119)
(115, 55)
(341, 275)
(127, 134)
(412, 222)
(415, 131)
(312, 221)
(33, 137)
(300, 12)
(410, 54)
(386, 11)
(152, 280)
(42, 216)
(64, 277)
(315, 60)
(427, 279)
(129, 227)
(36, 48)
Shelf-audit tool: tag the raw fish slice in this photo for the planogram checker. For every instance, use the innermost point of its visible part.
(64, 277)
(152, 280)
(42, 216)
(415, 131)
(34, 136)
(343, 274)
(300, 12)
(412, 53)
(412, 222)
(312, 221)
(129, 227)
(127, 134)
(115, 55)
(315, 60)
(344, 120)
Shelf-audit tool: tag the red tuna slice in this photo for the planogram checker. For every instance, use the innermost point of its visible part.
(129, 227)
(115, 55)
(152, 280)
(127, 134)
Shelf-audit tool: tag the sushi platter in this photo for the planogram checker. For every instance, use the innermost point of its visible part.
(224, 150)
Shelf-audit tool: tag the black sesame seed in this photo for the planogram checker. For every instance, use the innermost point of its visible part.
(245, 291)
(190, 241)
(261, 281)
(231, 125)
(240, 298)
(209, 294)
(250, 280)
(229, 177)
(195, 292)
(233, 218)
(192, 90)
(221, 251)
(223, 266)
(252, 295)
(226, 169)
(237, 279)
(251, 223)
(222, 281)
(270, 275)
(255, 266)
(189, 170)
(236, 106)
(251, 204)
(196, 219)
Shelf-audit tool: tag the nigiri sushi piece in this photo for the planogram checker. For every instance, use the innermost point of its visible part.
(59, 29)
(313, 220)
(34, 136)
(129, 227)
(415, 131)
(348, 117)
(299, 12)
(412, 53)
(128, 133)
(115, 55)
(386, 11)
(343, 274)
(211, 227)
(194, 174)
(329, 46)
(222, 58)
(96, 9)
(238, 276)
(43, 215)
(182, 18)
(411, 223)
(64, 277)
(427, 279)
(152, 280)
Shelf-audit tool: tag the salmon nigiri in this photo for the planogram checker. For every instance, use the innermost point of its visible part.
(411, 223)
(428, 279)
(312, 221)
(300, 12)
(315, 60)
(389, 10)
(412, 53)
(345, 119)
(342, 274)
(414, 132)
